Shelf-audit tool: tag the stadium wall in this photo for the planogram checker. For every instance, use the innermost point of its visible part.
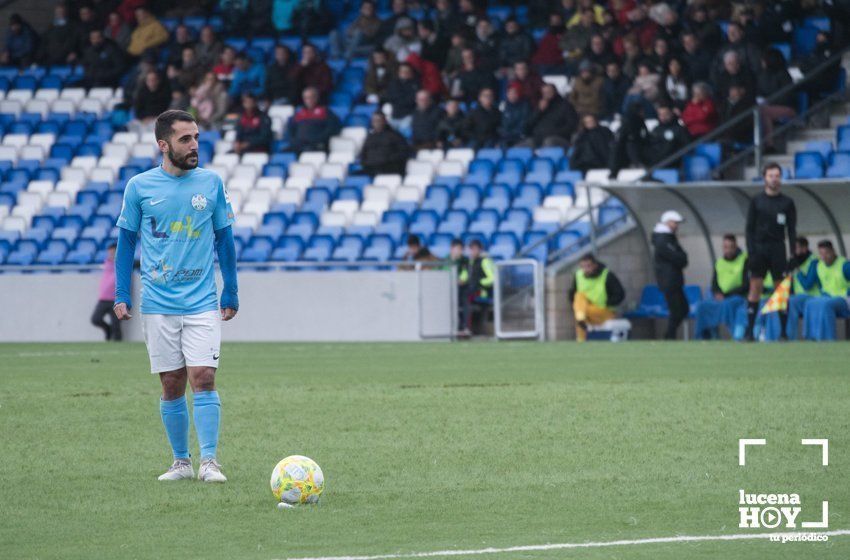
(274, 306)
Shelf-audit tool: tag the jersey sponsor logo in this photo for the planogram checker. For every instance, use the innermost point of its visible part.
(182, 230)
(199, 202)
(159, 272)
(187, 275)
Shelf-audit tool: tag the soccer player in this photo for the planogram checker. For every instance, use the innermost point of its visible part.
(770, 217)
(183, 213)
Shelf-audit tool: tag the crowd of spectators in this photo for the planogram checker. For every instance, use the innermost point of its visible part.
(451, 76)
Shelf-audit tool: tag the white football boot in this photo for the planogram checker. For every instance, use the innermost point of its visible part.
(179, 470)
(210, 471)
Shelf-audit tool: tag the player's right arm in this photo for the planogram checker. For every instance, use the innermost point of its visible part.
(128, 227)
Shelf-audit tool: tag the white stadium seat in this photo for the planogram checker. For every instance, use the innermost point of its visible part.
(247, 220)
(450, 168)
(112, 162)
(73, 94)
(43, 139)
(116, 150)
(377, 193)
(94, 106)
(47, 94)
(85, 162)
(19, 95)
(31, 153)
(273, 184)
(290, 196)
(76, 174)
(433, 156)
(129, 139)
(597, 176)
(547, 215)
(257, 208)
(58, 199)
(240, 184)
(11, 107)
(102, 175)
(463, 155)
(375, 206)
(221, 170)
(416, 167)
(144, 150)
(302, 170)
(71, 186)
(16, 140)
(389, 181)
(334, 219)
(408, 194)
(256, 159)
(315, 159)
(244, 170)
(301, 183)
(347, 207)
(39, 106)
(63, 106)
(342, 144)
(343, 158)
(365, 218)
(227, 160)
(332, 171)
(15, 223)
(102, 94)
(42, 187)
(8, 153)
(260, 196)
(418, 181)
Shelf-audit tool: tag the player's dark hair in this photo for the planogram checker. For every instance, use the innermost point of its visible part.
(769, 166)
(413, 241)
(730, 237)
(166, 120)
(804, 241)
(826, 244)
(588, 257)
(456, 242)
(476, 243)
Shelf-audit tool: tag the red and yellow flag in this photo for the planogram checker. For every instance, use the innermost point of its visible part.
(778, 300)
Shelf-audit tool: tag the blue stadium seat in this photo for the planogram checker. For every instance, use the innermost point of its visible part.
(808, 165)
(276, 218)
(320, 248)
(805, 38)
(561, 189)
(838, 165)
(820, 23)
(304, 230)
(822, 146)
(697, 168)
(522, 154)
(652, 304)
(289, 248)
(842, 138)
(667, 176)
(489, 154)
(569, 176)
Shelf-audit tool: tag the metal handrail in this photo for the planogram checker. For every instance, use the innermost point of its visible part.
(725, 127)
(282, 265)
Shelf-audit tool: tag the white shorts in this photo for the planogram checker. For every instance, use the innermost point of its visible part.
(175, 341)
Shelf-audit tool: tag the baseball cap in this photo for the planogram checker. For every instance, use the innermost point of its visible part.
(672, 216)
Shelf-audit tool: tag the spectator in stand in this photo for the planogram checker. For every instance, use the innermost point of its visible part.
(828, 79)
(553, 123)
(482, 122)
(660, 56)
(676, 84)
(209, 47)
(614, 89)
(362, 34)
(632, 140)
(152, 98)
(148, 34)
(469, 14)
(733, 73)
(529, 82)
(645, 90)
(700, 115)
(384, 150)
(597, 11)
(706, 31)
(209, 100)
(312, 126)
(599, 52)
(401, 95)
(434, 47)
(416, 251)
(549, 58)
(127, 10)
(667, 138)
(586, 95)
(738, 101)
(426, 119)
(117, 31)
(103, 62)
(248, 77)
(577, 38)
(515, 46)
(695, 58)
(21, 43)
(182, 39)
(388, 26)
(429, 75)
(226, 64)
(486, 46)
(632, 56)
(382, 68)
(187, 72)
(59, 41)
(592, 146)
(313, 72)
(254, 128)
(749, 56)
(454, 57)
(404, 40)
(773, 77)
(471, 79)
(86, 24)
(106, 298)
(515, 114)
(450, 130)
(280, 86)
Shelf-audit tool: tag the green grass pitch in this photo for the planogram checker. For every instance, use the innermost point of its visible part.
(426, 447)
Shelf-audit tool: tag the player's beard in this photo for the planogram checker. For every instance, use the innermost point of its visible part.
(182, 163)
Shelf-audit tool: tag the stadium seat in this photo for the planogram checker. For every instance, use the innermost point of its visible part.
(808, 165)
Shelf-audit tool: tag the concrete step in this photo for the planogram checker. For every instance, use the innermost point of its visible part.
(839, 120)
(800, 145)
(815, 134)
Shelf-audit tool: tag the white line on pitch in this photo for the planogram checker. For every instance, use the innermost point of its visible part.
(562, 546)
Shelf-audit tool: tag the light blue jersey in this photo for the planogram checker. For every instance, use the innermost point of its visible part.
(177, 218)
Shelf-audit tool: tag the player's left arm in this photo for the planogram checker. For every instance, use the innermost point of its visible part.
(226, 250)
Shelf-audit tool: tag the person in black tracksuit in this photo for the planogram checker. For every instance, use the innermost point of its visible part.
(771, 216)
(670, 260)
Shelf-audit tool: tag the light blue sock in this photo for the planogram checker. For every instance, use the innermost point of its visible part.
(207, 414)
(175, 418)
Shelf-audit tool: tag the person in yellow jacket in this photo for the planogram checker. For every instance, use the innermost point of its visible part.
(800, 265)
(480, 280)
(595, 293)
(729, 286)
(831, 275)
(149, 33)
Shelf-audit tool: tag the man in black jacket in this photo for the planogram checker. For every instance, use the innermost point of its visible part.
(595, 292)
(668, 137)
(385, 150)
(103, 63)
(592, 146)
(426, 117)
(770, 217)
(670, 260)
(554, 121)
(482, 123)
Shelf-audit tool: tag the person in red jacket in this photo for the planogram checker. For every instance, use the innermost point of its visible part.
(430, 78)
(700, 115)
(313, 72)
(548, 56)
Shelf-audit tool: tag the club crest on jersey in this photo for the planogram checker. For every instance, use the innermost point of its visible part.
(199, 202)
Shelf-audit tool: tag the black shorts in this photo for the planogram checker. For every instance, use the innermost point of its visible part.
(768, 258)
